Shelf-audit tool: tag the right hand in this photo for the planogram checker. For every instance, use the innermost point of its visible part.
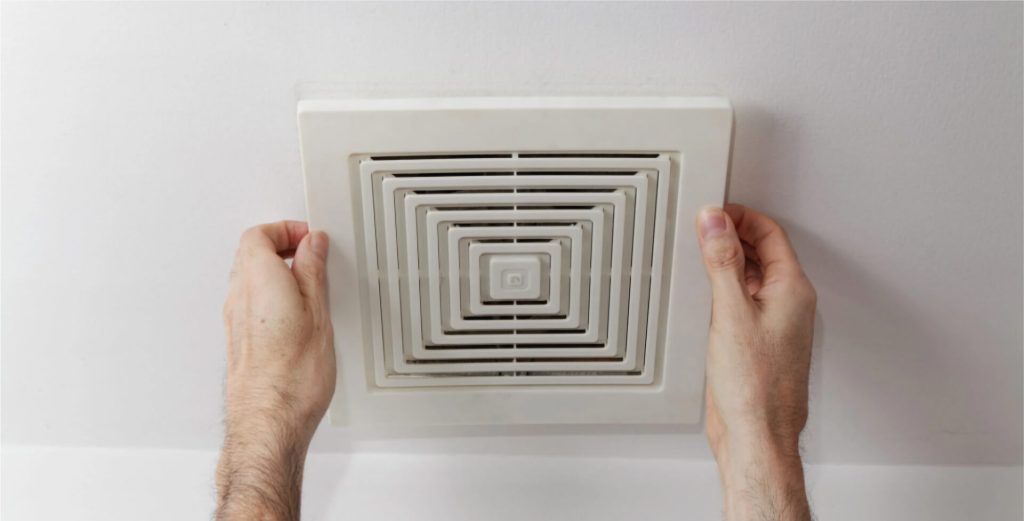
(280, 348)
(759, 354)
(281, 369)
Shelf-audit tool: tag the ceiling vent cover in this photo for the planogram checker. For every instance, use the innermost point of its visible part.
(481, 275)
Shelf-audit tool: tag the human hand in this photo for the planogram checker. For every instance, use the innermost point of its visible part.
(758, 362)
(281, 369)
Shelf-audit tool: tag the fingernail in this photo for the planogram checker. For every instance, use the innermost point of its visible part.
(712, 222)
(318, 242)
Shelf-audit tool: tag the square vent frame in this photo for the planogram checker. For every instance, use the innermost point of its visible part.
(600, 192)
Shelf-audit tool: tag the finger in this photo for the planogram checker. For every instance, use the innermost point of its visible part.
(723, 258)
(263, 246)
(280, 238)
(769, 240)
(310, 267)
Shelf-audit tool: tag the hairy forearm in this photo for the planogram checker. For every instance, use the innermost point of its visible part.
(259, 476)
(762, 479)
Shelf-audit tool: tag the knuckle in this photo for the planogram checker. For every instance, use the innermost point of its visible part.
(811, 297)
(781, 232)
(310, 277)
(319, 274)
(803, 292)
(250, 233)
(770, 225)
(725, 256)
(314, 276)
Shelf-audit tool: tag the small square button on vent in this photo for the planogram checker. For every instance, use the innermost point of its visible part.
(514, 277)
(513, 260)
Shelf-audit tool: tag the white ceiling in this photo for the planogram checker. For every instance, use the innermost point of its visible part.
(139, 140)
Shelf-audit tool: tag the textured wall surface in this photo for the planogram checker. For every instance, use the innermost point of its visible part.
(140, 140)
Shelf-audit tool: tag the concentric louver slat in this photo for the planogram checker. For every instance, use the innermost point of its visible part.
(581, 236)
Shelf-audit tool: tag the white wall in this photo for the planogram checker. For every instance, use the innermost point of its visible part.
(173, 484)
(139, 140)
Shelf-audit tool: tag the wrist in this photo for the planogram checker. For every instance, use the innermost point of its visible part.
(265, 413)
(782, 439)
(259, 475)
(761, 472)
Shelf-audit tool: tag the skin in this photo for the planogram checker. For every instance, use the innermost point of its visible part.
(281, 366)
(281, 370)
(758, 363)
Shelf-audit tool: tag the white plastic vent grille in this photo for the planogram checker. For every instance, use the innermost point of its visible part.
(515, 260)
(507, 269)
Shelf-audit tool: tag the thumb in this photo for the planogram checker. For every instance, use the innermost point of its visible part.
(724, 259)
(310, 266)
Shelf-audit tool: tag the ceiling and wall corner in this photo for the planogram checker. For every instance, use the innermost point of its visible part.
(139, 140)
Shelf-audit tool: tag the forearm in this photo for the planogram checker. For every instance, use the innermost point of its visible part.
(762, 479)
(259, 475)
